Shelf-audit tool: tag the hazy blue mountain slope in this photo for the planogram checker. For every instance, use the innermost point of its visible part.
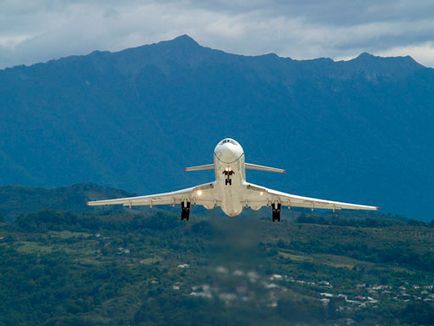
(20, 200)
(361, 130)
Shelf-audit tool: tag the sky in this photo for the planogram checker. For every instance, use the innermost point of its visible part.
(39, 30)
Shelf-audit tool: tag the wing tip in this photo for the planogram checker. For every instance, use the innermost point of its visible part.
(94, 203)
(368, 208)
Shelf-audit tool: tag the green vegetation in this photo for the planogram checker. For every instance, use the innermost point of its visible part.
(118, 267)
(16, 200)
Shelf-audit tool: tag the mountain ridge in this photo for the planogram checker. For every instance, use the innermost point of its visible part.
(187, 42)
(359, 130)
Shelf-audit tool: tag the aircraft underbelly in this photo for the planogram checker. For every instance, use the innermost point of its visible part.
(231, 203)
(230, 184)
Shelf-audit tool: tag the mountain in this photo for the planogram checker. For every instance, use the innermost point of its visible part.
(358, 130)
(18, 200)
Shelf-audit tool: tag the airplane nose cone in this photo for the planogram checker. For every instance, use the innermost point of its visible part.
(228, 152)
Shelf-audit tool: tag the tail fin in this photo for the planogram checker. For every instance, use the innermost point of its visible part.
(200, 167)
(263, 168)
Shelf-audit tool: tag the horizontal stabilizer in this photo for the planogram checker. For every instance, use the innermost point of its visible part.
(200, 167)
(263, 168)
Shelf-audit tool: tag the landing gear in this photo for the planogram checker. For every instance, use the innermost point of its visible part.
(185, 211)
(228, 174)
(275, 210)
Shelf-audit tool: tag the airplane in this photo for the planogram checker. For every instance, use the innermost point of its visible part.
(230, 191)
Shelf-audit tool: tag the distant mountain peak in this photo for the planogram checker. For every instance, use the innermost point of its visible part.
(365, 55)
(184, 40)
(368, 58)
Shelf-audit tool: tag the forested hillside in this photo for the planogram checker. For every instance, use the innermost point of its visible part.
(112, 268)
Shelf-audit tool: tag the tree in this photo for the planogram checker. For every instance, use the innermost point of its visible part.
(421, 313)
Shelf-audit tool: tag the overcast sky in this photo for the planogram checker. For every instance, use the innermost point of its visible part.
(39, 30)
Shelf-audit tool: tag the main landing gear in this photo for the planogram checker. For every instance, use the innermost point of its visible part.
(275, 211)
(185, 211)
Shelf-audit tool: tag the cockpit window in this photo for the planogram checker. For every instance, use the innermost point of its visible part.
(227, 140)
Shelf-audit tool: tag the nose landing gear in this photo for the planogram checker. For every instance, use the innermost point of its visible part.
(228, 180)
(275, 211)
(185, 211)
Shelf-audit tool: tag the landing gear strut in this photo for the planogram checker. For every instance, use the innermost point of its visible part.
(275, 210)
(228, 180)
(185, 211)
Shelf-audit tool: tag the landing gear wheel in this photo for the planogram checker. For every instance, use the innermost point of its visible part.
(275, 211)
(185, 211)
(228, 180)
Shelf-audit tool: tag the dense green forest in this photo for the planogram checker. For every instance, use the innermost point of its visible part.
(146, 267)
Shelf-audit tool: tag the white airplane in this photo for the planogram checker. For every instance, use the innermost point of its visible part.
(230, 190)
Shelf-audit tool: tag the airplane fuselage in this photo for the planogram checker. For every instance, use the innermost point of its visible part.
(230, 176)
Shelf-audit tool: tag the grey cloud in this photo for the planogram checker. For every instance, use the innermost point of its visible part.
(32, 31)
(331, 12)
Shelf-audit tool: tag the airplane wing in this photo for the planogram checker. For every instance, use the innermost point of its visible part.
(258, 196)
(200, 195)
